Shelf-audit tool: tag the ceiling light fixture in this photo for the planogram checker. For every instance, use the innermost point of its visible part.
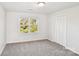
(41, 4)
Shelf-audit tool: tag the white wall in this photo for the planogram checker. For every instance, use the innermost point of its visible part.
(2, 29)
(57, 28)
(13, 34)
(63, 24)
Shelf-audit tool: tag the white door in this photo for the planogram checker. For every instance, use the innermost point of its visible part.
(60, 29)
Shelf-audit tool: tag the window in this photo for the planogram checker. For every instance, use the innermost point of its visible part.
(28, 25)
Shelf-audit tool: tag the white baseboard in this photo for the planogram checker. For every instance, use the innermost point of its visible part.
(28, 38)
(2, 48)
(57, 43)
(25, 41)
(73, 50)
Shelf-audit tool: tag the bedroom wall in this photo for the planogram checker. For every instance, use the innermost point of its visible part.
(13, 34)
(57, 28)
(63, 24)
(2, 29)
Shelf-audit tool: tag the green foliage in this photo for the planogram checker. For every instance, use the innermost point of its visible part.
(24, 26)
(33, 25)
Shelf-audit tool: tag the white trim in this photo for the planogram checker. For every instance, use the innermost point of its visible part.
(26, 40)
(75, 51)
(56, 42)
(2, 48)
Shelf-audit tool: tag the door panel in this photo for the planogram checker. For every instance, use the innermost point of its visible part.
(61, 30)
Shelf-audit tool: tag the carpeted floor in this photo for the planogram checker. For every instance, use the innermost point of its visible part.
(36, 48)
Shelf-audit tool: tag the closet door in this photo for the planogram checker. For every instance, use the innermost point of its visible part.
(60, 30)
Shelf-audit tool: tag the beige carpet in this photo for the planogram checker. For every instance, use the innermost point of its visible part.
(36, 48)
